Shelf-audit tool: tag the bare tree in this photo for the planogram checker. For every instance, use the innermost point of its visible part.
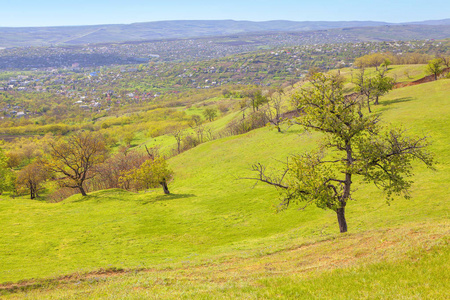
(178, 135)
(111, 169)
(372, 88)
(209, 133)
(75, 158)
(445, 60)
(196, 120)
(273, 111)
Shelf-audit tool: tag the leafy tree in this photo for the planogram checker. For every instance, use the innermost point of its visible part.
(258, 99)
(210, 113)
(31, 178)
(6, 175)
(386, 63)
(354, 145)
(373, 87)
(128, 138)
(435, 67)
(381, 85)
(370, 60)
(76, 157)
(14, 159)
(151, 173)
(196, 120)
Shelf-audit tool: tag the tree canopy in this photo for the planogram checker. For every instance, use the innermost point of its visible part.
(150, 174)
(6, 175)
(75, 158)
(31, 178)
(353, 144)
(373, 87)
(435, 67)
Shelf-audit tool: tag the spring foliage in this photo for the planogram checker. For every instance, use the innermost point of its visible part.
(6, 175)
(353, 144)
(152, 173)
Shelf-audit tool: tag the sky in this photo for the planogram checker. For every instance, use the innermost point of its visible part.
(33, 13)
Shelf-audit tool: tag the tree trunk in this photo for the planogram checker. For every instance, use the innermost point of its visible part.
(341, 219)
(368, 104)
(82, 191)
(165, 187)
(347, 185)
(376, 100)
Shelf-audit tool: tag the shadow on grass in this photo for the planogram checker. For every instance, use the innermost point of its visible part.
(84, 198)
(398, 100)
(169, 197)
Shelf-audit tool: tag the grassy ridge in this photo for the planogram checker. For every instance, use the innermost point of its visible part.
(213, 219)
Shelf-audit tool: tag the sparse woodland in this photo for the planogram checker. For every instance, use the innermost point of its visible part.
(136, 175)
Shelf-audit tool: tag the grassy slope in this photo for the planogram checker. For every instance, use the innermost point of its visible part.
(218, 228)
(401, 73)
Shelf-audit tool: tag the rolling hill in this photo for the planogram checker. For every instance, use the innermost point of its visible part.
(76, 35)
(218, 236)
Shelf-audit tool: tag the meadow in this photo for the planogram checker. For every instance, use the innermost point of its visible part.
(219, 236)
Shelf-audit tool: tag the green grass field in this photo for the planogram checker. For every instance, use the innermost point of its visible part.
(218, 236)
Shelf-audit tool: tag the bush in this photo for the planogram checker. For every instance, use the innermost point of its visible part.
(223, 107)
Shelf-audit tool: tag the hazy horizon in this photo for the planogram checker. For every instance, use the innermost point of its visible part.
(212, 20)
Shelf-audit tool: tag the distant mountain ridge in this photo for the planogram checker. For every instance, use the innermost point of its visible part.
(116, 33)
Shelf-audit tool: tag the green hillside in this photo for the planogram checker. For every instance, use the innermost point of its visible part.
(218, 236)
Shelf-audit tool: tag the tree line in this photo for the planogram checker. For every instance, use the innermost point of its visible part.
(82, 162)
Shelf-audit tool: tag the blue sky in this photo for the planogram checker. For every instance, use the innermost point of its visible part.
(22, 13)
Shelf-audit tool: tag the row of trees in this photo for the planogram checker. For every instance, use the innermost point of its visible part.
(387, 58)
(82, 161)
(434, 66)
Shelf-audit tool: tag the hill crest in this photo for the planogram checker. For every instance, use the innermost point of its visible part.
(114, 33)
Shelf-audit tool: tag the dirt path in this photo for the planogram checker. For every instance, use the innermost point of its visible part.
(419, 81)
